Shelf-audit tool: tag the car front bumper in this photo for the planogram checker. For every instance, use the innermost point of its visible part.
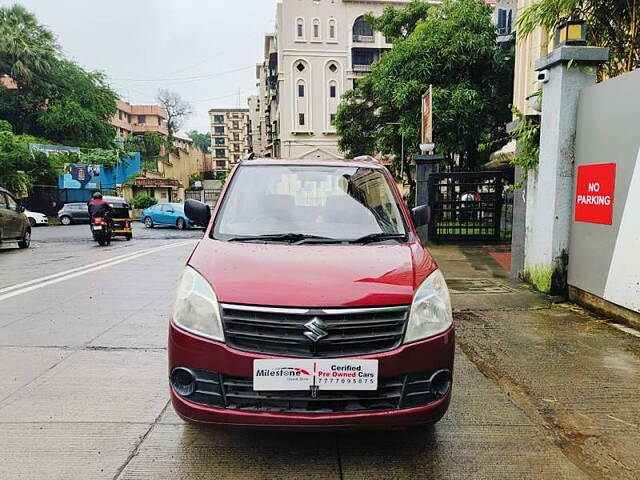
(190, 351)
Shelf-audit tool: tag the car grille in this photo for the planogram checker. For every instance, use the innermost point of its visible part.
(281, 331)
(393, 393)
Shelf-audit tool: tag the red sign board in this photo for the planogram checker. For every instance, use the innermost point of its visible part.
(594, 193)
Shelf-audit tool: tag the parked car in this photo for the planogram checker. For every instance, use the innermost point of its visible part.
(14, 226)
(73, 213)
(36, 218)
(166, 214)
(310, 302)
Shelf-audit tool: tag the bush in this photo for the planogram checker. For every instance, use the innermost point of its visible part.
(143, 201)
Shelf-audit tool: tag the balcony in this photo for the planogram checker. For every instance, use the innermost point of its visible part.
(363, 39)
(362, 68)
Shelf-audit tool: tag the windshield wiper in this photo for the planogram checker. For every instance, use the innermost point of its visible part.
(378, 237)
(282, 237)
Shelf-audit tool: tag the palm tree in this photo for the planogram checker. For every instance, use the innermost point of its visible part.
(610, 23)
(27, 49)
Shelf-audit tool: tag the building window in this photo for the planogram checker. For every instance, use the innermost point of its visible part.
(219, 141)
(221, 163)
(332, 29)
(301, 119)
(301, 89)
(362, 31)
(332, 90)
(141, 119)
(221, 152)
(300, 29)
(236, 136)
(300, 67)
(236, 125)
(316, 29)
(120, 114)
(218, 130)
(218, 119)
(333, 68)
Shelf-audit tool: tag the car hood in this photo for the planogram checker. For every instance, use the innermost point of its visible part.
(312, 275)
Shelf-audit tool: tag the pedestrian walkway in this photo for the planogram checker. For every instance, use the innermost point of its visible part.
(569, 370)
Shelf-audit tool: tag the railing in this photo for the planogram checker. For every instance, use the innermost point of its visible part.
(363, 39)
(361, 68)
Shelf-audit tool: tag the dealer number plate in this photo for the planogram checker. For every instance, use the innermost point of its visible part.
(321, 374)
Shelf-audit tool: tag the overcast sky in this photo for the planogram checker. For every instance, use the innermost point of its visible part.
(187, 46)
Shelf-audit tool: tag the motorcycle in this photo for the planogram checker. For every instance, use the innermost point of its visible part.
(102, 230)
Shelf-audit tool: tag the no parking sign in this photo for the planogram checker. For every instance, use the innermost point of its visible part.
(595, 186)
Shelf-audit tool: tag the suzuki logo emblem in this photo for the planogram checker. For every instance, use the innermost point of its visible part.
(315, 327)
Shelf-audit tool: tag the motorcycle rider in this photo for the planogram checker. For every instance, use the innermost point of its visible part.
(98, 207)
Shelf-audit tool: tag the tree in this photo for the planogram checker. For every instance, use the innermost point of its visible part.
(80, 106)
(201, 140)
(27, 49)
(177, 109)
(610, 23)
(453, 47)
(395, 23)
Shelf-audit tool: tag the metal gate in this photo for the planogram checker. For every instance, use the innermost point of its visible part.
(470, 206)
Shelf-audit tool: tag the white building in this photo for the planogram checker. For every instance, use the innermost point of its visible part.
(319, 49)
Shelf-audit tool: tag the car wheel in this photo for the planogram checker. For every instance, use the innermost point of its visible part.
(181, 224)
(148, 222)
(32, 222)
(128, 237)
(26, 239)
(64, 220)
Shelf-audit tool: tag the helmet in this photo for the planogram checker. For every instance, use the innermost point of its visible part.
(97, 196)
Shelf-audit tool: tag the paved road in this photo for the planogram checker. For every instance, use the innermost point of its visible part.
(84, 395)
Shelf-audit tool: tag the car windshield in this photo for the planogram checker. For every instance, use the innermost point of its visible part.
(341, 203)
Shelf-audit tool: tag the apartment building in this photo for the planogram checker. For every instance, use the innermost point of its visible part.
(254, 139)
(229, 136)
(318, 51)
(139, 119)
(528, 50)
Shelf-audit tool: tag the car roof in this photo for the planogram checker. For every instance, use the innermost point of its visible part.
(362, 162)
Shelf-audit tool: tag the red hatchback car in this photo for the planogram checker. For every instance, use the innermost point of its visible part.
(311, 303)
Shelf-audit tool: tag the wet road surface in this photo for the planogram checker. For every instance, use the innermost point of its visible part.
(84, 393)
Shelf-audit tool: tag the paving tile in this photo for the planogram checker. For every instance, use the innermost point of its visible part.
(176, 452)
(19, 366)
(95, 386)
(451, 452)
(66, 451)
(59, 329)
(146, 329)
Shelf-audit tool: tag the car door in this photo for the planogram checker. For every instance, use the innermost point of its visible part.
(164, 217)
(13, 218)
(4, 217)
(81, 212)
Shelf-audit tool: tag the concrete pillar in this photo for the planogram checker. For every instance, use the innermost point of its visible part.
(549, 190)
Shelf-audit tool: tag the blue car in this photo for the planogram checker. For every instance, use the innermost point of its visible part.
(166, 214)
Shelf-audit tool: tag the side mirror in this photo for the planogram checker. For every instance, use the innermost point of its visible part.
(421, 215)
(197, 211)
(21, 208)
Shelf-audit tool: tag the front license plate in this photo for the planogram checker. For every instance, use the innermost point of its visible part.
(305, 374)
(97, 227)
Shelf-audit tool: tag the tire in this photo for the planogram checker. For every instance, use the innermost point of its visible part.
(26, 239)
(181, 224)
(128, 236)
(32, 222)
(148, 222)
(65, 220)
(102, 242)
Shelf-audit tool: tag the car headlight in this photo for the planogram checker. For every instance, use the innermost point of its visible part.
(196, 309)
(430, 310)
